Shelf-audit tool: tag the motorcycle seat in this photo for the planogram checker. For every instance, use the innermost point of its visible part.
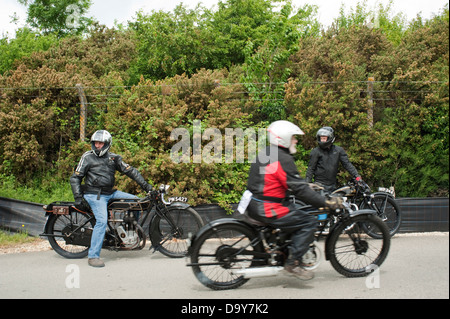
(252, 221)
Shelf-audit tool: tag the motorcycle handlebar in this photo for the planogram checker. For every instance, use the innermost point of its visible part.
(154, 193)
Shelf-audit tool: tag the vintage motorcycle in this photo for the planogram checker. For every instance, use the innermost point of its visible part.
(69, 229)
(227, 252)
(383, 202)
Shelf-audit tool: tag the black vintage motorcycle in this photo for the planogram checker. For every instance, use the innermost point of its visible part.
(383, 202)
(172, 223)
(227, 252)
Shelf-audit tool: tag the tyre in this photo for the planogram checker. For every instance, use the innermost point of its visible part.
(221, 250)
(171, 236)
(64, 240)
(388, 210)
(352, 252)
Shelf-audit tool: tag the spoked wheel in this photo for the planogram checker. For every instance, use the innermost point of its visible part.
(352, 252)
(222, 250)
(171, 235)
(71, 234)
(389, 212)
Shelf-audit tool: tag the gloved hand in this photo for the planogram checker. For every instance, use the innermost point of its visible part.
(359, 180)
(148, 188)
(362, 184)
(81, 204)
(335, 203)
(315, 187)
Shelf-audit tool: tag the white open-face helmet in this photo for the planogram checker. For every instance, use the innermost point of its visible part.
(281, 132)
(104, 137)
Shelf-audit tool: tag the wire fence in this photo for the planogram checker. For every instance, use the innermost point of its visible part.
(98, 95)
(375, 95)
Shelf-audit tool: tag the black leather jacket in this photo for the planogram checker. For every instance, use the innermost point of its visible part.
(324, 164)
(98, 174)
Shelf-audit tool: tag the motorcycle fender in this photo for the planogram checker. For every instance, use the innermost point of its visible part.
(383, 194)
(179, 204)
(50, 213)
(48, 216)
(215, 223)
(353, 214)
(363, 212)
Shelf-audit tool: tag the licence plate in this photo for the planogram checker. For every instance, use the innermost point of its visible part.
(178, 199)
(387, 190)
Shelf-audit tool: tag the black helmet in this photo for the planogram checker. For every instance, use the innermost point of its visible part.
(104, 137)
(329, 133)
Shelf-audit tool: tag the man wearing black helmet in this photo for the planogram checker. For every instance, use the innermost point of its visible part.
(97, 167)
(324, 161)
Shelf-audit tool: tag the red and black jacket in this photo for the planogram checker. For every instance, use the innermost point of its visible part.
(272, 178)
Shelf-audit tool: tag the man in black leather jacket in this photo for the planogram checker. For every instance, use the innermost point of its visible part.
(97, 167)
(324, 161)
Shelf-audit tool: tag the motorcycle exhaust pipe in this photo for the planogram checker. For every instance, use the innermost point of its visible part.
(258, 271)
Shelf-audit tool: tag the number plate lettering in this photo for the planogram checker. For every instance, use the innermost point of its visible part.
(178, 199)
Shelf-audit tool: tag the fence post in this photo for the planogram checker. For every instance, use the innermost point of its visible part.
(370, 81)
(83, 111)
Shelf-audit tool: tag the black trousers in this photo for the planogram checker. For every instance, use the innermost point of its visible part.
(297, 222)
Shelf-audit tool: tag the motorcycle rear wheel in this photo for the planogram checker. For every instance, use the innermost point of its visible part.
(219, 252)
(60, 225)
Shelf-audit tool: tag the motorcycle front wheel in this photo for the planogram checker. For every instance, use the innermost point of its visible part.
(172, 230)
(388, 210)
(219, 252)
(354, 253)
(67, 238)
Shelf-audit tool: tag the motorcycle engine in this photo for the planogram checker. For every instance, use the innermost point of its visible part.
(129, 237)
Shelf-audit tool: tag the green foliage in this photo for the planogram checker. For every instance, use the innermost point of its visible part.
(24, 44)
(238, 21)
(266, 66)
(44, 189)
(392, 27)
(172, 43)
(242, 66)
(408, 144)
(62, 17)
(142, 122)
(186, 40)
(39, 112)
(7, 239)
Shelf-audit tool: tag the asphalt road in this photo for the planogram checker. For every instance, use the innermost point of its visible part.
(417, 267)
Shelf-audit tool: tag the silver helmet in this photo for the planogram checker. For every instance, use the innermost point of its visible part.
(329, 133)
(104, 137)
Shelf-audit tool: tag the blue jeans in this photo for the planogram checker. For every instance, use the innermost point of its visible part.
(100, 209)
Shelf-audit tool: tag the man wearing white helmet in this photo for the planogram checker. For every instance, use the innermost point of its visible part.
(97, 167)
(270, 183)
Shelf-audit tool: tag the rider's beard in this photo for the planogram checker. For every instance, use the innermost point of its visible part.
(293, 148)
